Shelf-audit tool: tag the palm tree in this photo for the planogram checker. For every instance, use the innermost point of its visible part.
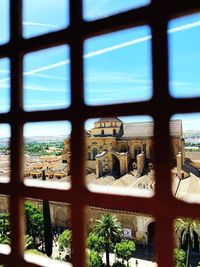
(187, 228)
(111, 230)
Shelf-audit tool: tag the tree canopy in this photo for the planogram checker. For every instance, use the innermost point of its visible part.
(124, 250)
(34, 225)
(187, 228)
(34, 222)
(111, 230)
(96, 243)
(4, 228)
(94, 259)
(64, 240)
(180, 257)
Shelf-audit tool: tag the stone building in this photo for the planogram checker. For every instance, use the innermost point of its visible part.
(116, 147)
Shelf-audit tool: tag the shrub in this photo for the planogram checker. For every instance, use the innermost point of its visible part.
(118, 264)
(94, 259)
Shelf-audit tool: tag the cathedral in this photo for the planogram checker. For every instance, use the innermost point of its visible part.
(114, 147)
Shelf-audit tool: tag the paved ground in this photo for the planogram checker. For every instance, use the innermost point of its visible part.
(132, 262)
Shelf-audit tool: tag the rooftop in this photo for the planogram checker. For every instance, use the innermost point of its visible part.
(145, 129)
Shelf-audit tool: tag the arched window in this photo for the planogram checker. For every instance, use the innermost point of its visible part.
(114, 132)
(137, 150)
(102, 132)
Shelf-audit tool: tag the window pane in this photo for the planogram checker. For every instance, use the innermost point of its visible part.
(118, 67)
(120, 155)
(186, 151)
(99, 9)
(4, 21)
(46, 79)
(186, 236)
(4, 153)
(44, 16)
(4, 85)
(130, 234)
(184, 43)
(44, 152)
(4, 220)
(50, 221)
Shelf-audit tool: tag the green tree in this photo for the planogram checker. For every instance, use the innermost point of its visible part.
(124, 250)
(4, 228)
(64, 241)
(48, 238)
(198, 265)
(111, 230)
(34, 225)
(180, 257)
(94, 259)
(187, 228)
(34, 222)
(96, 243)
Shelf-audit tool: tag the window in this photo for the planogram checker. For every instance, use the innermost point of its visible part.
(156, 15)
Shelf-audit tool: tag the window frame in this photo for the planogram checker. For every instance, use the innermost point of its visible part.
(156, 15)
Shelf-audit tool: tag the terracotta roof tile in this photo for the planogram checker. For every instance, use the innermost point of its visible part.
(145, 129)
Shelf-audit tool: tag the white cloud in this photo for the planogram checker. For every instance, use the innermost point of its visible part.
(4, 71)
(48, 104)
(115, 77)
(184, 84)
(38, 88)
(49, 76)
(4, 80)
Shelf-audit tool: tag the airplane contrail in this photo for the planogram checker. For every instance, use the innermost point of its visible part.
(118, 46)
(109, 49)
(28, 23)
(52, 66)
(185, 27)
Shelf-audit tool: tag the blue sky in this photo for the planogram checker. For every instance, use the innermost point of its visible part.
(117, 65)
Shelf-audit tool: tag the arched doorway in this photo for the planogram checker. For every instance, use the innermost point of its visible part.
(115, 166)
(61, 218)
(95, 152)
(151, 234)
(137, 151)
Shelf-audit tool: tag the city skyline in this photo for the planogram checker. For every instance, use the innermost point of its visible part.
(190, 122)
